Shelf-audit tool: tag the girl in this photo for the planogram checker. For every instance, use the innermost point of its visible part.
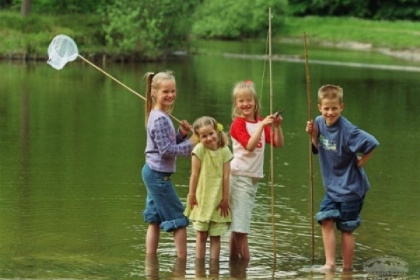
(163, 208)
(249, 133)
(208, 197)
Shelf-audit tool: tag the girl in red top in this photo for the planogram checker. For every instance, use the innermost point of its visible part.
(249, 134)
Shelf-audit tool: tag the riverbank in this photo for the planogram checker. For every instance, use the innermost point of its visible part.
(29, 40)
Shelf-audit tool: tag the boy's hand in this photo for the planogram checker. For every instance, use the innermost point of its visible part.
(311, 129)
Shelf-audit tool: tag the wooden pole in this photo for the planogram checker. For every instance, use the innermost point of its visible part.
(272, 141)
(311, 181)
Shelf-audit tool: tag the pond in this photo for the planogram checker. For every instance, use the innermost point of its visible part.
(71, 151)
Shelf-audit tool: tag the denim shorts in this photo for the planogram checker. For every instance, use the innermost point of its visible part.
(162, 202)
(346, 214)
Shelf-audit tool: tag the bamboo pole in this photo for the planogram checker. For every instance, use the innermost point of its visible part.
(311, 181)
(271, 146)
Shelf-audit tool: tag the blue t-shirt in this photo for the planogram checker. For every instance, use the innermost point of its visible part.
(338, 147)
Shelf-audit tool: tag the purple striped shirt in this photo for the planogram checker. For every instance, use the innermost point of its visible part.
(164, 143)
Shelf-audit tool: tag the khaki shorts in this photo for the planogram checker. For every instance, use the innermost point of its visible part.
(213, 228)
(242, 199)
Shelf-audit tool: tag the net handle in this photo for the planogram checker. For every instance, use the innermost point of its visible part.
(120, 83)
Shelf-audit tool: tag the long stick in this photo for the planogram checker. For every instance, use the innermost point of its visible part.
(271, 146)
(311, 180)
(120, 83)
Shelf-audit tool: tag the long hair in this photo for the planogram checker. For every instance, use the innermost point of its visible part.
(241, 88)
(153, 82)
(222, 138)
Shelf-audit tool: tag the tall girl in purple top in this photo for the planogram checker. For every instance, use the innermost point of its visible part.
(163, 208)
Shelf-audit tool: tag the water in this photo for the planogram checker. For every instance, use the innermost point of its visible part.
(72, 142)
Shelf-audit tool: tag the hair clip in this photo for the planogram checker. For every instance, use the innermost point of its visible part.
(249, 82)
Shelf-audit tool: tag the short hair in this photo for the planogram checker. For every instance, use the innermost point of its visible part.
(330, 92)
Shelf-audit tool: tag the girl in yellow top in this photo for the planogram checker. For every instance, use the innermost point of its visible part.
(208, 198)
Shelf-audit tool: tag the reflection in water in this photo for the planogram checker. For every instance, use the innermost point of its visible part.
(238, 268)
(152, 268)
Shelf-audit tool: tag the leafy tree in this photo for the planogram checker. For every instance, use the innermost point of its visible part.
(232, 19)
(151, 28)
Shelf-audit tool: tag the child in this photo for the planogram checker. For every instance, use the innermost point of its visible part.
(208, 197)
(249, 133)
(338, 143)
(163, 208)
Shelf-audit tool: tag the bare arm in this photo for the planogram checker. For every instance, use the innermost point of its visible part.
(255, 138)
(362, 160)
(195, 171)
(278, 132)
(224, 204)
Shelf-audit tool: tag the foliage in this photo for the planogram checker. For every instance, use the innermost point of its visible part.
(368, 9)
(145, 27)
(232, 19)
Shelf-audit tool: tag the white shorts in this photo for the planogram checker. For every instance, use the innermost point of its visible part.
(242, 199)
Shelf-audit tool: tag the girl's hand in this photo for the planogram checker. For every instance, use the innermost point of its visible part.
(277, 119)
(268, 120)
(184, 128)
(224, 208)
(193, 200)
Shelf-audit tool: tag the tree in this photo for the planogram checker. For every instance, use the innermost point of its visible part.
(26, 8)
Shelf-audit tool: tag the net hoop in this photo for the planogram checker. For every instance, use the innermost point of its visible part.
(61, 50)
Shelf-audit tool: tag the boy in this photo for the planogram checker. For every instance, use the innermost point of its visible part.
(338, 143)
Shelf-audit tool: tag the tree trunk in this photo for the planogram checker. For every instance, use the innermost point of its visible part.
(25, 8)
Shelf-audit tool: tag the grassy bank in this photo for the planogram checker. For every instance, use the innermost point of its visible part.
(30, 37)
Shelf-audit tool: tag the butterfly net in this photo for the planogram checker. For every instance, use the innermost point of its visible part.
(61, 50)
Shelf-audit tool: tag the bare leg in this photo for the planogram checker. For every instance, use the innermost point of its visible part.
(347, 243)
(200, 244)
(214, 247)
(152, 238)
(180, 239)
(214, 268)
(328, 238)
(239, 245)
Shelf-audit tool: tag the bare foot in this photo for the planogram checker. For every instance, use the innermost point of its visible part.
(327, 268)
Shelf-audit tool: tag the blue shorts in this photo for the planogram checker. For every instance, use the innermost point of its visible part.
(346, 214)
(162, 202)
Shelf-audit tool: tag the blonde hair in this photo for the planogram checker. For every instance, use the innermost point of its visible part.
(330, 92)
(153, 82)
(222, 138)
(245, 87)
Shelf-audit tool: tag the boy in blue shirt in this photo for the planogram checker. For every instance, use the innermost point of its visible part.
(343, 149)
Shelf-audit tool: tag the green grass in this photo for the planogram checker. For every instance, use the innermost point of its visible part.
(381, 34)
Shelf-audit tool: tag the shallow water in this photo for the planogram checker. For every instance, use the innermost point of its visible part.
(72, 142)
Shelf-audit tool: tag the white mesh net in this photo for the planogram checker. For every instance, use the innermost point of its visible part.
(61, 50)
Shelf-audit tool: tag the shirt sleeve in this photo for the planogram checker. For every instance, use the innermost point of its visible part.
(162, 131)
(239, 132)
(361, 142)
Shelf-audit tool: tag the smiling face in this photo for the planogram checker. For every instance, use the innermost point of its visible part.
(165, 95)
(330, 109)
(246, 105)
(208, 136)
